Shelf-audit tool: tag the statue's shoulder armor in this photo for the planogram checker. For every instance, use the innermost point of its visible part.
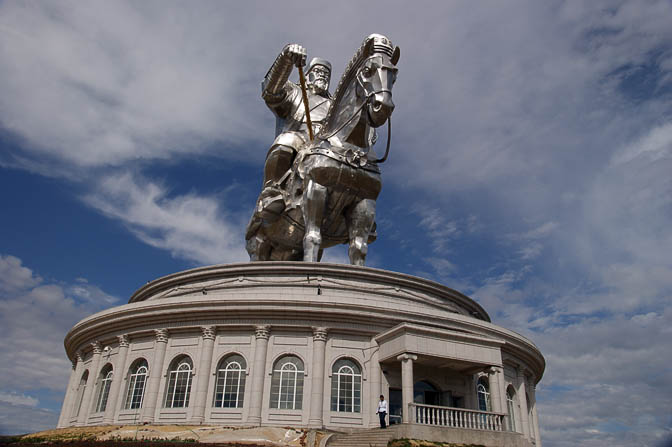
(295, 140)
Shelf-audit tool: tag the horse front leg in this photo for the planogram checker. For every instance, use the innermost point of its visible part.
(360, 220)
(314, 203)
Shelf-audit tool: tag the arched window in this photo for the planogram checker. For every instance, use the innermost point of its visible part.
(80, 392)
(230, 385)
(287, 383)
(511, 407)
(179, 383)
(483, 392)
(137, 378)
(104, 388)
(346, 386)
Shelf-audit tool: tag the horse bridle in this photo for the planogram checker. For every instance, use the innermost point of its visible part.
(366, 102)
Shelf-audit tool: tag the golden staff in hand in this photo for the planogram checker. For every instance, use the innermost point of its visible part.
(304, 93)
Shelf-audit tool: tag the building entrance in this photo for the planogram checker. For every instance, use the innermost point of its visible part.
(426, 393)
(395, 404)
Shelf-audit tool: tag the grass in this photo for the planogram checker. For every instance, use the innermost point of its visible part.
(405, 442)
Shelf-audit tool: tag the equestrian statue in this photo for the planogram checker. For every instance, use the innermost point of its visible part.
(321, 176)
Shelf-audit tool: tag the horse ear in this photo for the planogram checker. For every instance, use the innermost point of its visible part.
(395, 56)
(368, 49)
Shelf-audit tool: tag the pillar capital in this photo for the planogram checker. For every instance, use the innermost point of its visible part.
(97, 347)
(123, 341)
(208, 332)
(161, 335)
(405, 357)
(493, 370)
(79, 356)
(320, 333)
(262, 331)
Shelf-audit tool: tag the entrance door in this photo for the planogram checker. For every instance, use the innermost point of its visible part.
(426, 393)
(395, 404)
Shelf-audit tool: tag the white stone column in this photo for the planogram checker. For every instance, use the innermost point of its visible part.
(204, 373)
(262, 334)
(522, 401)
(406, 385)
(470, 400)
(535, 418)
(317, 387)
(501, 381)
(493, 384)
(79, 370)
(117, 380)
(376, 388)
(152, 394)
(90, 384)
(65, 414)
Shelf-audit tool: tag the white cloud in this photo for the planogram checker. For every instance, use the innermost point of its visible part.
(36, 317)
(655, 145)
(528, 115)
(14, 275)
(101, 84)
(439, 228)
(18, 399)
(21, 419)
(189, 226)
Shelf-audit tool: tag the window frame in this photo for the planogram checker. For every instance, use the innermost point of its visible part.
(511, 408)
(104, 388)
(482, 389)
(222, 383)
(339, 378)
(287, 380)
(132, 390)
(179, 376)
(81, 389)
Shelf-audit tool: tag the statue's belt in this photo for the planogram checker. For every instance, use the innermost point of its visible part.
(354, 158)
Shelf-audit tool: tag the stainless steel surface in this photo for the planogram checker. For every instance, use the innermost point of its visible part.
(321, 193)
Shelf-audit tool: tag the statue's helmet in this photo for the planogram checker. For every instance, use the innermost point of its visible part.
(319, 71)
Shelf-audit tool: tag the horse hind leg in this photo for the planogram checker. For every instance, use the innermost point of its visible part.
(259, 248)
(314, 203)
(360, 220)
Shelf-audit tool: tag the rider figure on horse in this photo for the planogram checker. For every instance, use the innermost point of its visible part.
(284, 98)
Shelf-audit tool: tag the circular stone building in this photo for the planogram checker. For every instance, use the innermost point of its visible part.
(304, 345)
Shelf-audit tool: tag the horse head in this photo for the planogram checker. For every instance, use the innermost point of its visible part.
(364, 94)
(376, 76)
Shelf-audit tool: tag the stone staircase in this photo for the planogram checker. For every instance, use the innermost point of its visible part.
(374, 437)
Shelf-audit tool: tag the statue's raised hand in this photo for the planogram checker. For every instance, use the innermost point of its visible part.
(296, 53)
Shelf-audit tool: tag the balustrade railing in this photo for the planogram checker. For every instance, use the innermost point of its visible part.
(456, 417)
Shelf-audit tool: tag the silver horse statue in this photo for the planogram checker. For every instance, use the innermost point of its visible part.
(328, 196)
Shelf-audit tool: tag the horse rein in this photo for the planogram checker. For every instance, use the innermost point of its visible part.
(357, 111)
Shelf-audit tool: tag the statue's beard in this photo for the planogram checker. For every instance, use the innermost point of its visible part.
(319, 86)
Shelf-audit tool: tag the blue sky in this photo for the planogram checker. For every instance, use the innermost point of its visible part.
(530, 169)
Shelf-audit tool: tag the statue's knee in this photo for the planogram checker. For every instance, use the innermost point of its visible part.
(313, 237)
(278, 161)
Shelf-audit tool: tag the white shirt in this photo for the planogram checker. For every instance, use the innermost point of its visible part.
(382, 406)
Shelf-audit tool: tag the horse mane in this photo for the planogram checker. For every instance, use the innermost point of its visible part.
(359, 57)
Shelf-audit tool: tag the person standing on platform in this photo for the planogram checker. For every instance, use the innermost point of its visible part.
(382, 411)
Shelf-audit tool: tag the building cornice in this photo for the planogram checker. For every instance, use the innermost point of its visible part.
(245, 275)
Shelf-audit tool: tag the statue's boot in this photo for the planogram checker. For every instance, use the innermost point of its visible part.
(271, 202)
